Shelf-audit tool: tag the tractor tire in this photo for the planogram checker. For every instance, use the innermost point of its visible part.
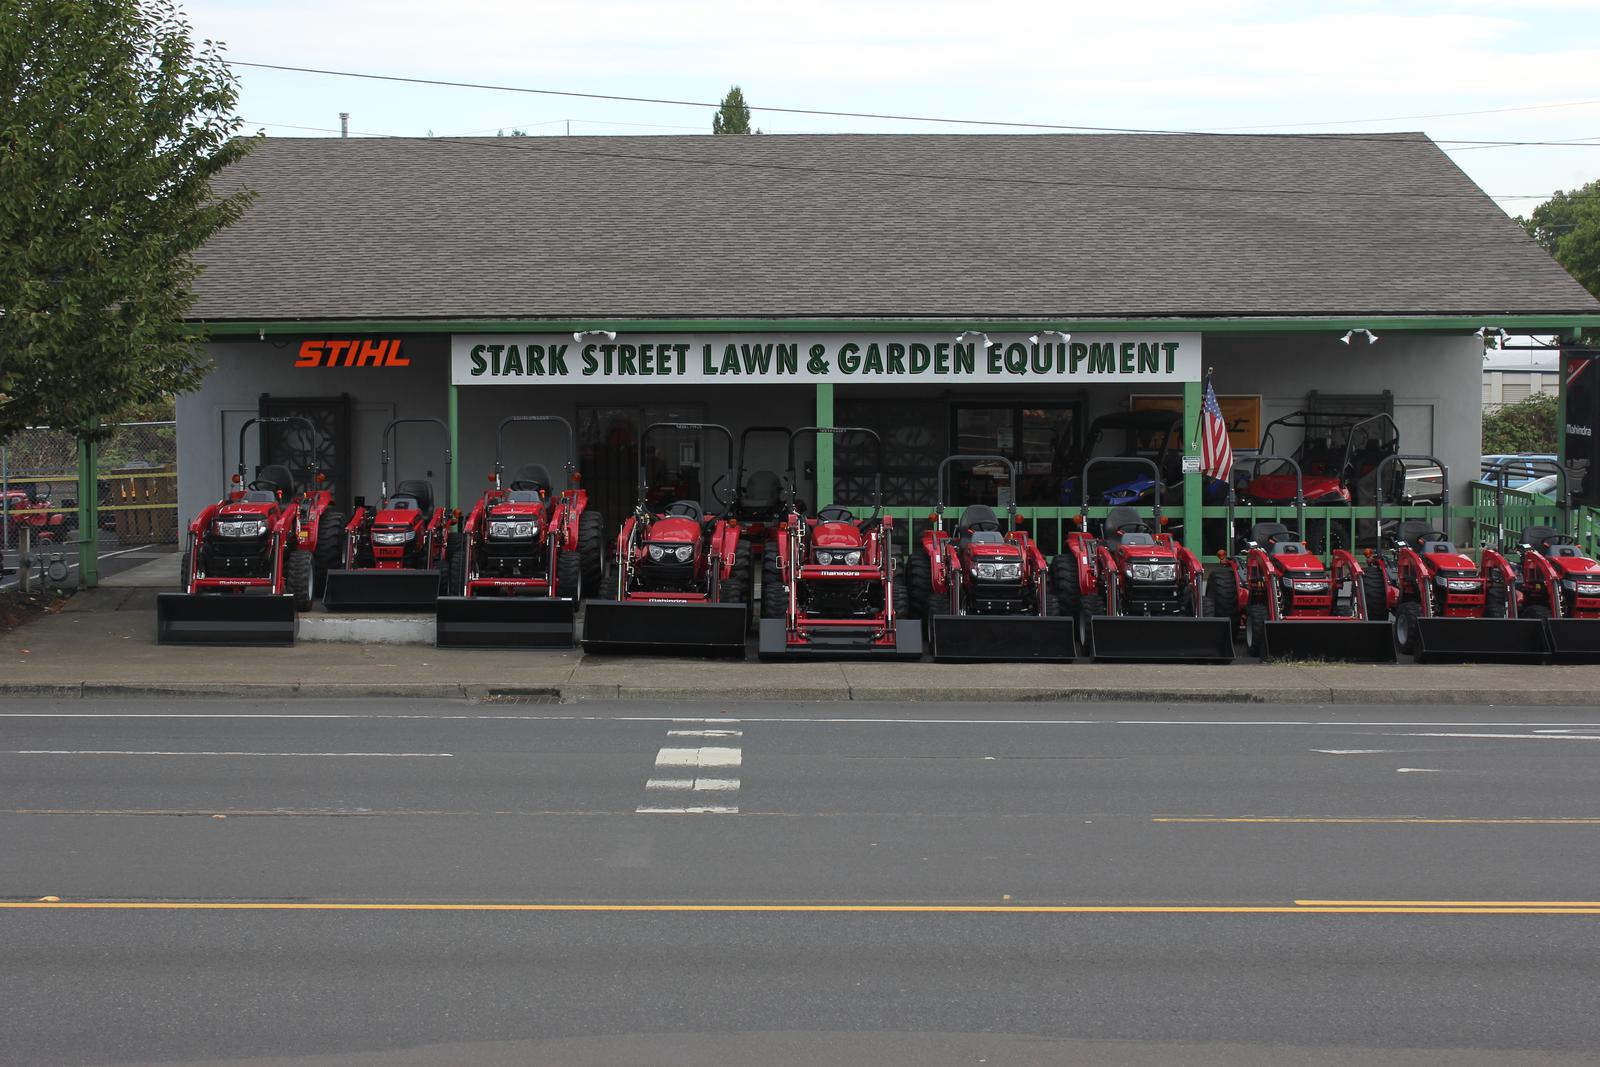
(298, 577)
(1533, 611)
(1255, 630)
(456, 572)
(452, 552)
(1406, 614)
(183, 573)
(902, 598)
(1496, 602)
(1064, 576)
(1088, 607)
(919, 583)
(735, 588)
(1377, 594)
(774, 598)
(592, 547)
(1052, 603)
(329, 553)
(1222, 589)
(569, 576)
(608, 583)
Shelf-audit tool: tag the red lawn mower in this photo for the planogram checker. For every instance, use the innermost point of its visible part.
(985, 593)
(397, 551)
(527, 552)
(251, 558)
(828, 585)
(681, 580)
(1290, 604)
(1445, 607)
(1134, 591)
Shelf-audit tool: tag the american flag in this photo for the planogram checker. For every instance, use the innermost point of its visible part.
(1216, 454)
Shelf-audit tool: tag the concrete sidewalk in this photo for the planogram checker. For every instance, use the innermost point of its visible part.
(103, 644)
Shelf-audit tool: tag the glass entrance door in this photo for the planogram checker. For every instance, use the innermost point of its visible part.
(1037, 438)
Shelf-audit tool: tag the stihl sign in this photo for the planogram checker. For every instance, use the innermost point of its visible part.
(357, 353)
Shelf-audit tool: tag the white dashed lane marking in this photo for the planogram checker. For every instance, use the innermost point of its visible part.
(696, 780)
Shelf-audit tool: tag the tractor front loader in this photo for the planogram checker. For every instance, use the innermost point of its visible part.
(681, 579)
(250, 562)
(985, 592)
(527, 551)
(1557, 581)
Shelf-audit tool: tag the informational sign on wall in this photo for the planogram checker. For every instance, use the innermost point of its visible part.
(745, 359)
(1241, 411)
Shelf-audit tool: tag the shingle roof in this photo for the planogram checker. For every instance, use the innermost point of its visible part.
(1057, 227)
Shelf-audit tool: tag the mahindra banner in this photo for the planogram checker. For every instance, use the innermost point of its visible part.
(700, 359)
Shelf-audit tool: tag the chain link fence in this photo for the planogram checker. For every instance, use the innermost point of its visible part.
(136, 481)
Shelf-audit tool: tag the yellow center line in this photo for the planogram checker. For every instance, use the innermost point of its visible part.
(1297, 908)
(1382, 820)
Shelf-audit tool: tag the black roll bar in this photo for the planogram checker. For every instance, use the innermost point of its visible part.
(569, 463)
(311, 429)
(644, 484)
(1444, 492)
(839, 431)
(388, 435)
(1011, 476)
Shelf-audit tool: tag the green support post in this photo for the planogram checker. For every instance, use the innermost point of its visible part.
(1193, 490)
(824, 445)
(452, 416)
(88, 514)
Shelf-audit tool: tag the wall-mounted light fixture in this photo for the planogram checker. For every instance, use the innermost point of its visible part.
(974, 337)
(583, 336)
(1044, 336)
(1371, 337)
(1496, 332)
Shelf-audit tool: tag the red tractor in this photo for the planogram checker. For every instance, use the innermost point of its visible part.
(1289, 603)
(985, 593)
(1445, 607)
(1335, 464)
(1135, 590)
(251, 559)
(527, 552)
(397, 551)
(681, 580)
(828, 585)
(1557, 581)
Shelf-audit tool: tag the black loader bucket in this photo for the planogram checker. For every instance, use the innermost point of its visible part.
(218, 619)
(375, 590)
(1352, 641)
(1160, 639)
(664, 628)
(1001, 638)
(840, 643)
(1574, 640)
(504, 622)
(1447, 640)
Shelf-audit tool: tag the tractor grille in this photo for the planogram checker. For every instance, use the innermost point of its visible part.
(842, 600)
(240, 558)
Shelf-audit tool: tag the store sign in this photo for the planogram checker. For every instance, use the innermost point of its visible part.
(352, 353)
(744, 359)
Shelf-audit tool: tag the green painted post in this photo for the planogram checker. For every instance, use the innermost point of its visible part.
(452, 416)
(825, 445)
(1193, 490)
(88, 515)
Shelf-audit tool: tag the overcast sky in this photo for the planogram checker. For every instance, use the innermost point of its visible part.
(1156, 64)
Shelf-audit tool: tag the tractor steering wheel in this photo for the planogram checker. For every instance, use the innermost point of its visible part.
(1134, 527)
(835, 513)
(259, 486)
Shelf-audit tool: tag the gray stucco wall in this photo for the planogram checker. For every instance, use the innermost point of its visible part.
(1436, 382)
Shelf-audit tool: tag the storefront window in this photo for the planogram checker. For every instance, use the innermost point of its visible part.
(608, 456)
(1037, 439)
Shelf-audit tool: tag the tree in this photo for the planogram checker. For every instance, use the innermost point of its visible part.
(733, 116)
(1526, 426)
(1568, 227)
(112, 125)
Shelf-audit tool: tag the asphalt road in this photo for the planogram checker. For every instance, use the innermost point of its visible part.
(370, 882)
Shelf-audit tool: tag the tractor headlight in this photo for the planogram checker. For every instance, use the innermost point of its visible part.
(241, 528)
(999, 571)
(1588, 588)
(1153, 572)
(843, 559)
(393, 537)
(681, 553)
(684, 553)
(1459, 585)
(512, 530)
(1299, 586)
(656, 552)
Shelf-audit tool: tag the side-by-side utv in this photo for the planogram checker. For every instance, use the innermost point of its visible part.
(681, 579)
(1445, 607)
(983, 592)
(828, 580)
(1135, 590)
(1291, 605)
(397, 551)
(528, 549)
(250, 562)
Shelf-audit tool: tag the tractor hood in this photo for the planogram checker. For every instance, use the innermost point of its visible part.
(1301, 564)
(995, 550)
(1576, 566)
(674, 529)
(1454, 563)
(836, 535)
(508, 509)
(1157, 553)
(385, 516)
(240, 509)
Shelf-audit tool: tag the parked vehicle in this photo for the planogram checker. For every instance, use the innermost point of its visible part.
(528, 550)
(1134, 590)
(681, 582)
(250, 561)
(397, 551)
(829, 586)
(1514, 470)
(28, 508)
(984, 593)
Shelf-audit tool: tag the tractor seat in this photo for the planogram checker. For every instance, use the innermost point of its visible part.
(762, 491)
(1118, 529)
(278, 477)
(979, 525)
(531, 476)
(1265, 533)
(836, 513)
(686, 509)
(1547, 539)
(420, 492)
